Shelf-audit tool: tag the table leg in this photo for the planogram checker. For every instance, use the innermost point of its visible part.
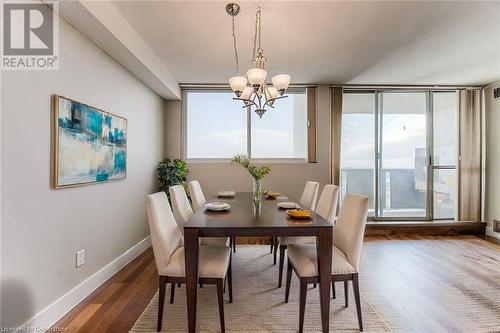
(191, 261)
(324, 254)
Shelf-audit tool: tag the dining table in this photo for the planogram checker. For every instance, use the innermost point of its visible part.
(262, 218)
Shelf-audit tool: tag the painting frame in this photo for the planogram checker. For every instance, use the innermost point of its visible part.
(55, 145)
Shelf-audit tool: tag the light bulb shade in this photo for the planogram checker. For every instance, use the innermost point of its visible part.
(256, 76)
(281, 82)
(272, 92)
(238, 83)
(247, 92)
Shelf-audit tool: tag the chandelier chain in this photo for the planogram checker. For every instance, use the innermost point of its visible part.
(256, 34)
(260, 23)
(236, 58)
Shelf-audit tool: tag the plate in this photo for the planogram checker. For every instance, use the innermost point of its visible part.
(299, 214)
(272, 194)
(288, 205)
(217, 206)
(225, 194)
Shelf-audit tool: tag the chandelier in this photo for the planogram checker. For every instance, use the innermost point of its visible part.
(252, 88)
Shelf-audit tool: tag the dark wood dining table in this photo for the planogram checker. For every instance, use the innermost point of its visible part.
(247, 218)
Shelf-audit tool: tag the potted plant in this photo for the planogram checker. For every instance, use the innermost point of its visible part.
(172, 172)
(258, 173)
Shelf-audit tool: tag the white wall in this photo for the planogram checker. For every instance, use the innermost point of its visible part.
(492, 157)
(43, 228)
(288, 178)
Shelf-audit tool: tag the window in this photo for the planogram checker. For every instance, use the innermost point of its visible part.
(403, 154)
(357, 165)
(399, 148)
(282, 132)
(218, 127)
(444, 159)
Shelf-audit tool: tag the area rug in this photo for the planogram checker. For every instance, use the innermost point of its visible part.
(258, 305)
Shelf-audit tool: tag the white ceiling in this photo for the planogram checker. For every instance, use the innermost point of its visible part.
(446, 43)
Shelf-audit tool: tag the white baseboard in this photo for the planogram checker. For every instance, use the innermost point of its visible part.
(46, 318)
(490, 232)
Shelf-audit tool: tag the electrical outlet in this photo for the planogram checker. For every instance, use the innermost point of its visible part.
(80, 258)
(496, 225)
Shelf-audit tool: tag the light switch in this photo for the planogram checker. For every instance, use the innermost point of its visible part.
(80, 258)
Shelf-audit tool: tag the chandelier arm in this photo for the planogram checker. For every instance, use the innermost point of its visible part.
(273, 99)
(245, 100)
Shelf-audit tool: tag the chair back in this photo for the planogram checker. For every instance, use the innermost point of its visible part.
(327, 203)
(349, 229)
(165, 234)
(197, 197)
(309, 196)
(180, 205)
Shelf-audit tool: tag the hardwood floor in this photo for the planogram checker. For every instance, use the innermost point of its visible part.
(402, 277)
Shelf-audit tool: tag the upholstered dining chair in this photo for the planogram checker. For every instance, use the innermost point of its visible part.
(349, 232)
(327, 205)
(183, 212)
(198, 200)
(197, 197)
(214, 262)
(307, 201)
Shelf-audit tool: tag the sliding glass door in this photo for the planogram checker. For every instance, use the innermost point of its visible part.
(399, 148)
(403, 154)
(357, 164)
(445, 153)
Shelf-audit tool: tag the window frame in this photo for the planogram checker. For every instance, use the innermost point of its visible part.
(184, 131)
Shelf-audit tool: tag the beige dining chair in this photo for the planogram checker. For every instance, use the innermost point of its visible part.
(326, 208)
(327, 205)
(307, 201)
(197, 197)
(214, 264)
(349, 232)
(183, 212)
(198, 201)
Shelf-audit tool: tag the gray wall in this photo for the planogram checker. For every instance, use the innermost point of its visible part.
(492, 155)
(43, 228)
(288, 178)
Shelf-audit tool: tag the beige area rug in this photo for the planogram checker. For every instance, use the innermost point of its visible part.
(258, 306)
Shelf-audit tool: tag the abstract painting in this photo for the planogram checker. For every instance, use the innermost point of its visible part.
(90, 145)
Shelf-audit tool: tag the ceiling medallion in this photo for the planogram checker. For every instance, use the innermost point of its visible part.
(252, 88)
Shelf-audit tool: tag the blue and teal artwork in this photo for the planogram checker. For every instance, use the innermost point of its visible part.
(90, 144)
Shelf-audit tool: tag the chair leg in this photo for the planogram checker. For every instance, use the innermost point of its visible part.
(334, 296)
(302, 306)
(355, 285)
(288, 279)
(275, 250)
(234, 244)
(221, 305)
(314, 285)
(282, 261)
(272, 244)
(229, 279)
(172, 293)
(346, 293)
(161, 301)
(201, 285)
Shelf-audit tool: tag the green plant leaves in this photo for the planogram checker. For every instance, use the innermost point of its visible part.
(257, 173)
(172, 172)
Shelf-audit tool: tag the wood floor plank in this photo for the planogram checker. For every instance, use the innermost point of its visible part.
(410, 280)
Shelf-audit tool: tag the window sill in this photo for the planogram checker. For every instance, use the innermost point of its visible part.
(254, 160)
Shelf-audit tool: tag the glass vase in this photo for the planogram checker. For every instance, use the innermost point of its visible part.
(257, 189)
